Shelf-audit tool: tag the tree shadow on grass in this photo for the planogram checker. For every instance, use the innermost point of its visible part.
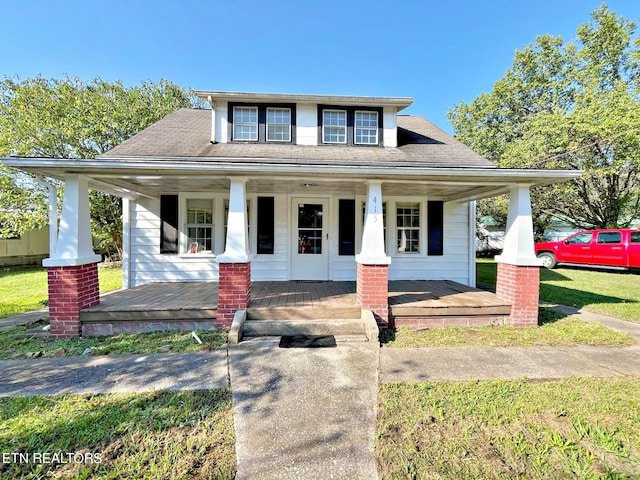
(91, 423)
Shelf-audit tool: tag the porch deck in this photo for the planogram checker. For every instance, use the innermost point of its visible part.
(429, 303)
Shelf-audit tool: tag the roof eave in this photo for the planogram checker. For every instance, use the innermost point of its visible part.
(261, 166)
(211, 96)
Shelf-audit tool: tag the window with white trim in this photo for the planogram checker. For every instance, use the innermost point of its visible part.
(245, 123)
(199, 225)
(334, 126)
(366, 128)
(278, 124)
(408, 227)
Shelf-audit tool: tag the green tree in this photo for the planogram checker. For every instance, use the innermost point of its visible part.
(570, 105)
(69, 118)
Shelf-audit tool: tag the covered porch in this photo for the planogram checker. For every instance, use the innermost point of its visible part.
(194, 305)
(375, 224)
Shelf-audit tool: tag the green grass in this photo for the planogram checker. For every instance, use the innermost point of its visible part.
(25, 289)
(145, 436)
(564, 332)
(608, 292)
(13, 345)
(574, 428)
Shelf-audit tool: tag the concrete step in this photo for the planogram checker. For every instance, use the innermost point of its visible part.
(338, 327)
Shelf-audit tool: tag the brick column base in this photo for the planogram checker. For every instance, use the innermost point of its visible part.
(71, 289)
(520, 286)
(234, 291)
(372, 288)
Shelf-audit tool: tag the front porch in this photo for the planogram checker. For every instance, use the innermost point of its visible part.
(194, 305)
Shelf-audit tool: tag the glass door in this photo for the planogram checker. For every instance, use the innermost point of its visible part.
(310, 259)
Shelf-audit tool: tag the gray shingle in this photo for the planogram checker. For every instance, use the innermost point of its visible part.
(186, 133)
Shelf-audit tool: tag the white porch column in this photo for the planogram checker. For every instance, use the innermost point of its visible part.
(74, 246)
(237, 248)
(372, 263)
(518, 240)
(518, 278)
(72, 270)
(234, 265)
(373, 251)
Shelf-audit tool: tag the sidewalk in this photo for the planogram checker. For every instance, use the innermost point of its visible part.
(114, 373)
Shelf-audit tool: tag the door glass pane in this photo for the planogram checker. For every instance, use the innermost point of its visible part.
(583, 238)
(310, 242)
(309, 215)
(610, 237)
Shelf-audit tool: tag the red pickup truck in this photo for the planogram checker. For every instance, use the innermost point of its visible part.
(611, 248)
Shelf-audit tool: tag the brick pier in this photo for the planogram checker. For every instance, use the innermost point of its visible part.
(71, 289)
(234, 291)
(373, 290)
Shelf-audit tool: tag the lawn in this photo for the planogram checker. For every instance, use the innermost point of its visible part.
(145, 435)
(25, 289)
(573, 428)
(14, 344)
(611, 293)
(561, 332)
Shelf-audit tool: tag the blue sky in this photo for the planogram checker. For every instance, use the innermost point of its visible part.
(439, 53)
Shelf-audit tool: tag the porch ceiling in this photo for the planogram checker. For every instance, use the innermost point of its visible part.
(153, 178)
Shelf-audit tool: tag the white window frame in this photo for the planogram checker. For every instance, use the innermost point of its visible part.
(408, 204)
(236, 123)
(288, 124)
(187, 244)
(356, 127)
(344, 127)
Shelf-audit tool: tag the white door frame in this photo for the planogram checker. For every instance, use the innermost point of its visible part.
(310, 266)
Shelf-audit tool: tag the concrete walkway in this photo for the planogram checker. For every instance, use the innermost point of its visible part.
(114, 373)
(304, 413)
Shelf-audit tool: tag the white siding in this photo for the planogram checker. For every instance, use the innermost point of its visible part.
(222, 123)
(307, 124)
(148, 265)
(390, 124)
(453, 265)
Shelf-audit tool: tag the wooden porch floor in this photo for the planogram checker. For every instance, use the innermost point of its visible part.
(442, 298)
(199, 300)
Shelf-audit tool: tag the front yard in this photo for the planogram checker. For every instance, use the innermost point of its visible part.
(144, 435)
(583, 428)
(611, 293)
(24, 289)
(572, 428)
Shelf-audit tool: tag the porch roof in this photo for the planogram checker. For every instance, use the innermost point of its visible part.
(153, 177)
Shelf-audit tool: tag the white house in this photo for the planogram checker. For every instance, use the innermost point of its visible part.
(278, 187)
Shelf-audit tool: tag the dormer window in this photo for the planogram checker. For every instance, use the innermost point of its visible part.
(245, 123)
(261, 123)
(349, 125)
(366, 128)
(334, 126)
(278, 124)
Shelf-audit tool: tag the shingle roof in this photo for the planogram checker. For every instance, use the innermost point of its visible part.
(186, 133)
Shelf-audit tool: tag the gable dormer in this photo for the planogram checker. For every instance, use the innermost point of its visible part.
(292, 119)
